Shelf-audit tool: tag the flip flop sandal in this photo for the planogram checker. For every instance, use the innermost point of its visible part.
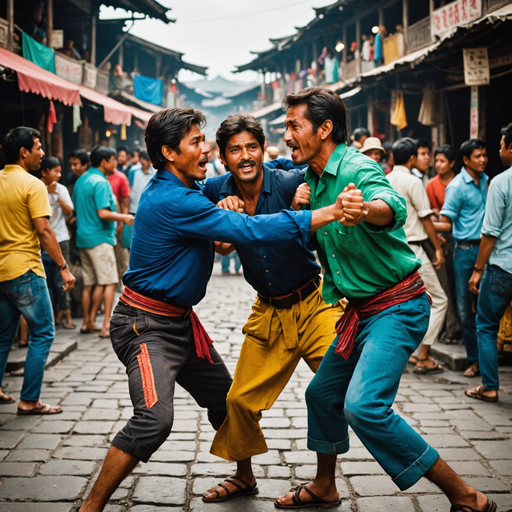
(491, 507)
(39, 411)
(413, 360)
(470, 373)
(5, 400)
(66, 326)
(89, 331)
(424, 370)
(243, 491)
(298, 503)
(478, 394)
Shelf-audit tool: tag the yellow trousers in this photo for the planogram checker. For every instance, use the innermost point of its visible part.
(276, 340)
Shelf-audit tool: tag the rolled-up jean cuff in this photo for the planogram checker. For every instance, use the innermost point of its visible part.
(329, 448)
(130, 445)
(408, 477)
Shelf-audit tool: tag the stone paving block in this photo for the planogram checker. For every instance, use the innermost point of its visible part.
(36, 507)
(160, 468)
(272, 488)
(356, 454)
(446, 441)
(495, 449)
(187, 446)
(298, 433)
(449, 454)
(503, 467)
(77, 399)
(265, 459)
(305, 472)
(105, 404)
(222, 469)
(243, 504)
(172, 456)
(3, 454)
(504, 501)
(488, 485)
(470, 468)
(39, 441)
(275, 423)
(29, 456)
(161, 490)
(17, 468)
(21, 423)
(63, 416)
(93, 427)
(373, 485)
(300, 422)
(484, 436)
(419, 407)
(438, 503)
(361, 468)
(385, 504)
(43, 488)
(441, 416)
(102, 414)
(82, 440)
(185, 426)
(437, 431)
(434, 423)
(279, 444)
(10, 439)
(80, 453)
(423, 486)
(296, 412)
(54, 427)
(278, 472)
(303, 457)
(67, 467)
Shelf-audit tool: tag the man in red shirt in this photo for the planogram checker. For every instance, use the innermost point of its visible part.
(121, 188)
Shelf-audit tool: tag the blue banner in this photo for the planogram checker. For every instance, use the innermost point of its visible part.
(148, 89)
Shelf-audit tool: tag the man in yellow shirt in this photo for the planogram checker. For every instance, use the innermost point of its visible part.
(24, 213)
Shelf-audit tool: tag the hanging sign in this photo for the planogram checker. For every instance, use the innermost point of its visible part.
(476, 66)
(455, 14)
(473, 123)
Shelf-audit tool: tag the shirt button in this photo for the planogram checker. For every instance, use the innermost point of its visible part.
(334, 255)
(337, 271)
(325, 232)
(264, 256)
(339, 282)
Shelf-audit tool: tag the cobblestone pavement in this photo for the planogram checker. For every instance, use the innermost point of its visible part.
(50, 463)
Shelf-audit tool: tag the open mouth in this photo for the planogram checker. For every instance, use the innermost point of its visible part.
(293, 147)
(247, 167)
(202, 164)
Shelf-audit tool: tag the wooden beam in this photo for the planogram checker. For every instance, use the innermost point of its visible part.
(10, 21)
(120, 58)
(93, 39)
(405, 14)
(49, 22)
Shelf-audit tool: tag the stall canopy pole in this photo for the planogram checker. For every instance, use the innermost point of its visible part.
(10, 20)
(49, 22)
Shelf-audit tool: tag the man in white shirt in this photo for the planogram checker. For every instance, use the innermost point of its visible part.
(418, 228)
(61, 207)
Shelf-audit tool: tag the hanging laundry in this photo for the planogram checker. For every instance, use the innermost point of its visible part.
(148, 89)
(52, 117)
(399, 118)
(38, 53)
(77, 121)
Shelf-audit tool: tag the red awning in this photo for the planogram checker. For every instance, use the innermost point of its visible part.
(32, 78)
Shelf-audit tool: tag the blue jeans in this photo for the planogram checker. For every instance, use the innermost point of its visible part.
(495, 296)
(464, 260)
(27, 295)
(360, 391)
(226, 260)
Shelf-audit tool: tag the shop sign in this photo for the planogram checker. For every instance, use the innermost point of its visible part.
(90, 76)
(476, 66)
(455, 14)
(473, 125)
(69, 69)
(57, 39)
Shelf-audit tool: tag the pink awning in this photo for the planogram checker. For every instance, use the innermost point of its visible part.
(32, 78)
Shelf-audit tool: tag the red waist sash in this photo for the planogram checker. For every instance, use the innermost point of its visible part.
(347, 325)
(202, 341)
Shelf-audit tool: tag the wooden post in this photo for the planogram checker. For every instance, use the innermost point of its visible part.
(49, 22)
(10, 20)
(158, 65)
(369, 122)
(405, 14)
(432, 9)
(358, 40)
(136, 60)
(381, 16)
(345, 44)
(93, 39)
(120, 56)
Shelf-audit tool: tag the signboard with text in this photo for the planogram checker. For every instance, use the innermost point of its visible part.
(455, 14)
(476, 66)
(69, 69)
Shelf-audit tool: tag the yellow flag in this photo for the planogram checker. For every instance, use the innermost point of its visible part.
(123, 132)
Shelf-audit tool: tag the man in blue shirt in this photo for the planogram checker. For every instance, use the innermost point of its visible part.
(154, 331)
(96, 221)
(495, 291)
(463, 213)
(290, 320)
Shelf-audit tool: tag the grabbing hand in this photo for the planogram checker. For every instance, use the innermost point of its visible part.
(352, 206)
(223, 248)
(302, 196)
(52, 187)
(233, 203)
(129, 219)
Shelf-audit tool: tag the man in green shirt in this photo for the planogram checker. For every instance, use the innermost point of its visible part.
(367, 260)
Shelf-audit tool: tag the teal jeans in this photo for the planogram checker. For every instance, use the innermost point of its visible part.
(360, 391)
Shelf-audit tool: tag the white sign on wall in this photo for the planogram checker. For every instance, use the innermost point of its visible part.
(476, 66)
(69, 69)
(455, 14)
(57, 39)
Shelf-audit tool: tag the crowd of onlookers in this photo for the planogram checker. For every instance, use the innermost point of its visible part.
(459, 226)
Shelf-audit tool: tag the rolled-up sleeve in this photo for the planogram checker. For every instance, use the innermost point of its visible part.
(196, 217)
(494, 212)
(452, 203)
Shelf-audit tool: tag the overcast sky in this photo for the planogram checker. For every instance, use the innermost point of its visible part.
(221, 33)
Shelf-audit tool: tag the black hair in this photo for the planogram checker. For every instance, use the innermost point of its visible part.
(506, 131)
(238, 123)
(167, 128)
(447, 151)
(100, 153)
(135, 150)
(403, 149)
(49, 162)
(123, 148)
(143, 154)
(422, 143)
(360, 132)
(17, 138)
(387, 150)
(322, 105)
(467, 148)
(81, 154)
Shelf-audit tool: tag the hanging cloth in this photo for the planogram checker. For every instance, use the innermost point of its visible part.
(77, 121)
(378, 48)
(399, 118)
(38, 53)
(148, 89)
(52, 117)
(427, 110)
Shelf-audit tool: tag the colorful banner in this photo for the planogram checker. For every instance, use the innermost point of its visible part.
(455, 14)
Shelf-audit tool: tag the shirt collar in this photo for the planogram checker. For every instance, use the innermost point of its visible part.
(14, 167)
(95, 170)
(229, 186)
(333, 162)
(166, 175)
(468, 178)
(401, 168)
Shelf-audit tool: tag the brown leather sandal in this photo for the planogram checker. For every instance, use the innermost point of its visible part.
(242, 491)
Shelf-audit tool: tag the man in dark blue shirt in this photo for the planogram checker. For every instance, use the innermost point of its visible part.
(289, 321)
(154, 331)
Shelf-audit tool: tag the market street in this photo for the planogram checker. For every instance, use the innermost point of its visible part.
(50, 462)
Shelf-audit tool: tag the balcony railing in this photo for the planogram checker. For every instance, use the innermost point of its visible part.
(418, 35)
(350, 70)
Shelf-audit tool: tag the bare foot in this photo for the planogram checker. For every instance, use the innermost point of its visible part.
(472, 371)
(327, 494)
(6, 399)
(219, 492)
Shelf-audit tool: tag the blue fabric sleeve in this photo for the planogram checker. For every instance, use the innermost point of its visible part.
(283, 163)
(494, 211)
(211, 187)
(103, 195)
(451, 206)
(195, 216)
